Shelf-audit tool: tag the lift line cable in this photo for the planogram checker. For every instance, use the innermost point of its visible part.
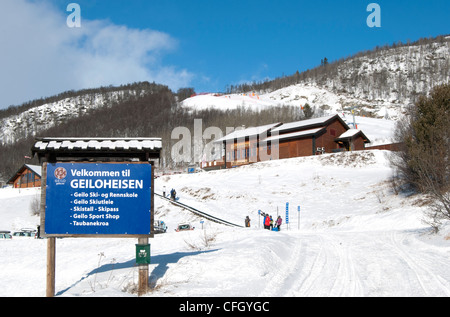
(200, 213)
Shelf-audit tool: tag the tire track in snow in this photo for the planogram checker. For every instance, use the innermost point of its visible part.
(277, 283)
(311, 273)
(347, 282)
(318, 266)
(333, 273)
(431, 283)
(354, 264)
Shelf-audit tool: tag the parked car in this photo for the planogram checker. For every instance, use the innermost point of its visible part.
(184, 227)
(160, 227)
(5, 235)
(25, 233)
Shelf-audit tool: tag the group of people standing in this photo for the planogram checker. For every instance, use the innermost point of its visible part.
(270, 224)
(173, 193)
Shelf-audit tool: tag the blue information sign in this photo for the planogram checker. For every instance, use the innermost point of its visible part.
(98, 199)
(287, 213)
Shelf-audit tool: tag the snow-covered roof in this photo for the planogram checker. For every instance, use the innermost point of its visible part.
(37, 169)
(60, 149)
(96, 144)
(34, 168)
(351, 133)
(294, 134)
(303, 124)
(243, 133)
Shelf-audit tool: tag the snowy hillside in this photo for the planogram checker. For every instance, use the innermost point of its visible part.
(36, 119)
(377, 83)
(353, 237)
(321, 99)
(393, 76)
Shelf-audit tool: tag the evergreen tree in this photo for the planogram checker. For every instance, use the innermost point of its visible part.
(424, 159)
(308, 112)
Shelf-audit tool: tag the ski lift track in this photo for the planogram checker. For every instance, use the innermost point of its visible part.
(200, 213)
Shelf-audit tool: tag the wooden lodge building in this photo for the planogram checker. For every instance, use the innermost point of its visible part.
(27, 176)
(281, 141)
(316, 136)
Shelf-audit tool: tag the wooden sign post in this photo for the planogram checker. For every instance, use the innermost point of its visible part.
(143, 272)
(111, 197)
(51, 266)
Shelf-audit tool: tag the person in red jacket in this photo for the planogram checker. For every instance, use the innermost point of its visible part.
(267, 222)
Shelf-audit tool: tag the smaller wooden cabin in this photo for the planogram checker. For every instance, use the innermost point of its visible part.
(26, 177)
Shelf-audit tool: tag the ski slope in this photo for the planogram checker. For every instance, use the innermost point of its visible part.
(353, 237)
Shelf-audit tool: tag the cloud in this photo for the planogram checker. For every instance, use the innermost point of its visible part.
(41, 56)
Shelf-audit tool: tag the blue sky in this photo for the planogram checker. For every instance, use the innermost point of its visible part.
(202, 44)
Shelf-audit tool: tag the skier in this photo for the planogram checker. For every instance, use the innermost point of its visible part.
(247, 222)
(278, 223)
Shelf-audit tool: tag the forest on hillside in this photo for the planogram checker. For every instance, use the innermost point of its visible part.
(400, 70)
(154, 114)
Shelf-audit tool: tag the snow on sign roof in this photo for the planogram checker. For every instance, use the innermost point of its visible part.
(97, 144)
(242, 133)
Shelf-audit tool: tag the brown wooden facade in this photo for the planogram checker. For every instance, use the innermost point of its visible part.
(27, 176)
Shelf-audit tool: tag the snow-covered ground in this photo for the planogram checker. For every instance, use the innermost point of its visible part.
(353, 237)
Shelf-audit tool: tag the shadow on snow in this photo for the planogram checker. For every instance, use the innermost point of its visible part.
(162, 265)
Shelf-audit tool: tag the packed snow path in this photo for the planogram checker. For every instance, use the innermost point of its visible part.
(361, 264)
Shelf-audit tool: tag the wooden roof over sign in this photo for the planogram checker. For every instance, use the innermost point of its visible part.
(85, 148)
